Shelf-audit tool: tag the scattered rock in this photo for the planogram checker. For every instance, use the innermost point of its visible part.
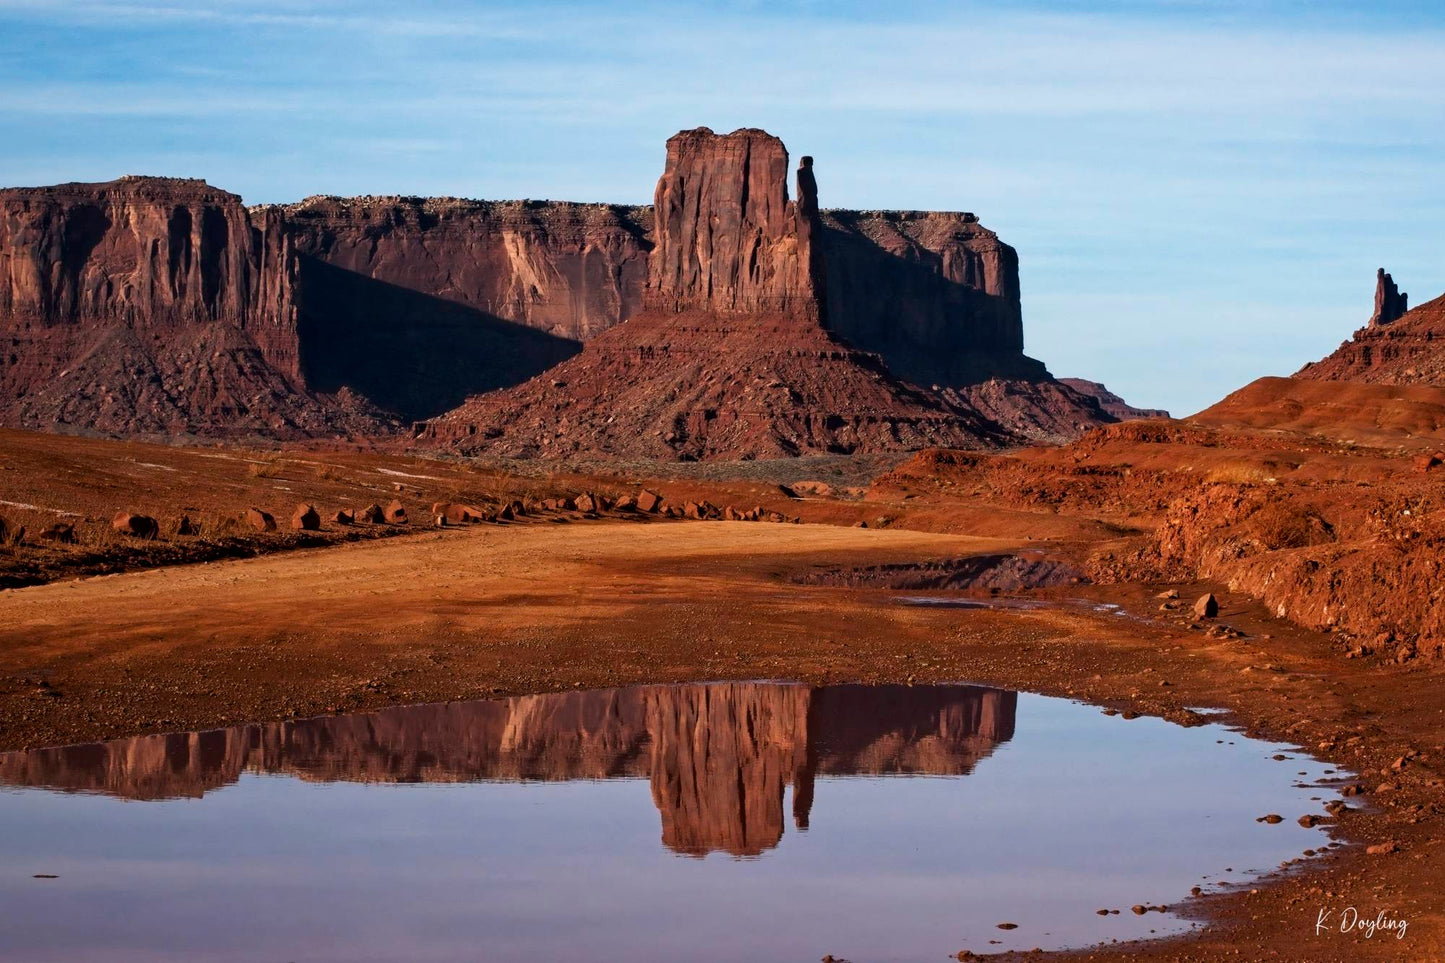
(1309, 821)
(1272, 819)
(1207, 607)
(260, 521)
(1008, 926)
(586, 502)
(648, 501)
(395, 513)
(1169, 594)
(187, 527)
(306, 518)
(139, 526)
(1383, 849)
(60, 532)
(343, 516)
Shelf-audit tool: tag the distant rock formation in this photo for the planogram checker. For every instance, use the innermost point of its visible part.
(1390, 303)
(158, 306)
(1111, 402)
(719, 756)
(732, 355)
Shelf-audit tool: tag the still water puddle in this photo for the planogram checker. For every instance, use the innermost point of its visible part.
(729, 821)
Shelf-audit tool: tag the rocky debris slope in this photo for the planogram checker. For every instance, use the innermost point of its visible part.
(733, 355)
(153, 305)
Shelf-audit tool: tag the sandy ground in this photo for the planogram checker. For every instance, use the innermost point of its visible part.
(473, 612)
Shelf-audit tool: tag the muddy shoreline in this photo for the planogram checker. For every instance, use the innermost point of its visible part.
(602, 604)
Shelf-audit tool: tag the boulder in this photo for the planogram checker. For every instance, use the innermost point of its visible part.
(440, 521)
(138, 526)
(1428, 462)
(1207, 607)
(395, 513)
(648, 501)
(586, 502)
(260, 521)
(62, 532)
(187, 527)
(506, 513)
(306, 518)
(568, 503)
(371, 515)
(342, 516)
(518, 509)
(627, 503)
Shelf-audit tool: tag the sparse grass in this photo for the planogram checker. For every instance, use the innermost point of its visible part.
(1240, 473)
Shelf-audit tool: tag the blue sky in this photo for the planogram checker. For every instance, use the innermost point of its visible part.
(1200, 192)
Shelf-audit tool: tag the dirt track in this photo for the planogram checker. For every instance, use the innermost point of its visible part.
(456, 614)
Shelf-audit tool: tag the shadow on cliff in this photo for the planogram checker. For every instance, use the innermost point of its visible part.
(929, 329)
(406, 351)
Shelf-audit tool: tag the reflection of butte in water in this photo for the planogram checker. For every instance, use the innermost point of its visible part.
(719, 756)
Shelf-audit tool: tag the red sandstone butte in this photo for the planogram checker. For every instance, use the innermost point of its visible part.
(731, 356)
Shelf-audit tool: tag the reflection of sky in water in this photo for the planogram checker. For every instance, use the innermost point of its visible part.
(1076, 812)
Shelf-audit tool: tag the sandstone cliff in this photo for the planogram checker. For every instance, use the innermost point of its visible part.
(153, 305)
(719, 757)
(572, 270)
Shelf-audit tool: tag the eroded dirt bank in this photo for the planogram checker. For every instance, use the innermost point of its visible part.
(476, 611)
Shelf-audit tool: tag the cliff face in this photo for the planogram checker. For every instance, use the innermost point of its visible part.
(152, 305)
(935, 293)
(150, 253)
(719, 757)
(571, 270)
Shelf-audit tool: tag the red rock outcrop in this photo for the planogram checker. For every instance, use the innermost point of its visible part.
(1408, 350)
(1390, 302)
(153, 306)
(719, 757)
